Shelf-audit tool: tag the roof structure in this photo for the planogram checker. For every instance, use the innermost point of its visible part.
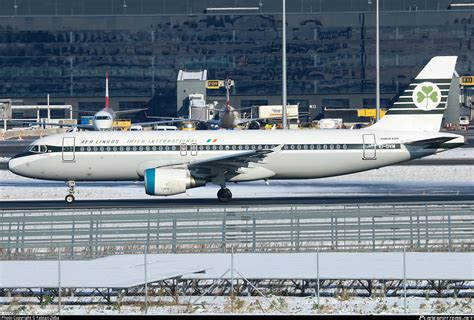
(125, 271)
(192, 75)
(118, 271)
(344, 266)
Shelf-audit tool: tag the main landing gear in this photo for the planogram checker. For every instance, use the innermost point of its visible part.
(70, 197)
(224, 195)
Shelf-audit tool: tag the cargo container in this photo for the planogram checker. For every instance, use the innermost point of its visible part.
(87, 120)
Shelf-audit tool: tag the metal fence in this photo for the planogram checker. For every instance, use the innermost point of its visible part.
(194, 293)
(92, 233)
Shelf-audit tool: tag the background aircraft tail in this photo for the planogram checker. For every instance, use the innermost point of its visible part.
(422, 104)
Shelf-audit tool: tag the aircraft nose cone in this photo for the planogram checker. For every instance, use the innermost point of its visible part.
(17, 166)
(12, 164)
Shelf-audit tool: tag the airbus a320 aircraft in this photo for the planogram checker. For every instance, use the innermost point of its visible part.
(229, 117)
(104, 119)
(170, 162)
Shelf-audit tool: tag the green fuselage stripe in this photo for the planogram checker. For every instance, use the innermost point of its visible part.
(190, 149)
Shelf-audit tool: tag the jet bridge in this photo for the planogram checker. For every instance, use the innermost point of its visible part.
(189, 82)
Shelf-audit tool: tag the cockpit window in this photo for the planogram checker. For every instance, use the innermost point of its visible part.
(38, 149)
(102, 118)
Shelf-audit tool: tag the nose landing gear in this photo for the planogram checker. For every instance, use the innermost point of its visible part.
(70, 197)
(224, 195)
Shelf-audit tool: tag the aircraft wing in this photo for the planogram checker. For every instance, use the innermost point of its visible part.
(248, 120)
(86, 111)
(151, 123)
(162, 118)
(230, 162)
(122, 112)
(228, 165)
(79, 126)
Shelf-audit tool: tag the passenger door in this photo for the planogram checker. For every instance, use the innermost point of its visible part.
(183, 149)
(194, 149)
(369, 147)
(68, 149)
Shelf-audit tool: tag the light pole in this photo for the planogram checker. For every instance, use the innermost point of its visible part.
(283, 67)
(377, 59)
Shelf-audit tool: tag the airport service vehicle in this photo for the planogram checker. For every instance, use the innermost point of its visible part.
(165, 128)
(464, 121)
(136, 128)
(330, 124)
(171, 162)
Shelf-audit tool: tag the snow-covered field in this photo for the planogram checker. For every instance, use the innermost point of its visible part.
(261, 305)
(388, 180)
(458, 153)
(394, 180)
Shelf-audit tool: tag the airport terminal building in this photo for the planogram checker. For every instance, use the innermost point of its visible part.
(64, 47)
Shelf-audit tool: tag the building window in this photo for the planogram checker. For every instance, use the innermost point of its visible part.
(336, 103)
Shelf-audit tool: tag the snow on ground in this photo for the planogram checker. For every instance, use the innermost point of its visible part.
(394, 179)
(261, 305)
(458, 153)
(388, 180)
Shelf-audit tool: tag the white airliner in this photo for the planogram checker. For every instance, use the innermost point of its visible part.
(103, 119)
(229, 117)
(170, 162)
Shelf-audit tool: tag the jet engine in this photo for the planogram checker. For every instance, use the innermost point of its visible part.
(167, 182)
(254, 125)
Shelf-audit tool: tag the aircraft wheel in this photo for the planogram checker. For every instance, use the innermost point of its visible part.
(69, 198)
(224, 195)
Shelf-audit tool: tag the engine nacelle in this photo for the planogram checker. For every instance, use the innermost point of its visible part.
(167, 182)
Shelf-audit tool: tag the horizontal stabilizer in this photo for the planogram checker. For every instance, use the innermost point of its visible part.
(430, 143)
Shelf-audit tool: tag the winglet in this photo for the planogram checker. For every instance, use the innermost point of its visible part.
(278, 148)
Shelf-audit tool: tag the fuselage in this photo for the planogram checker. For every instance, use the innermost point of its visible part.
(228, 118)
(297, 154)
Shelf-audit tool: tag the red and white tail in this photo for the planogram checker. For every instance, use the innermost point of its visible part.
(106, 90)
